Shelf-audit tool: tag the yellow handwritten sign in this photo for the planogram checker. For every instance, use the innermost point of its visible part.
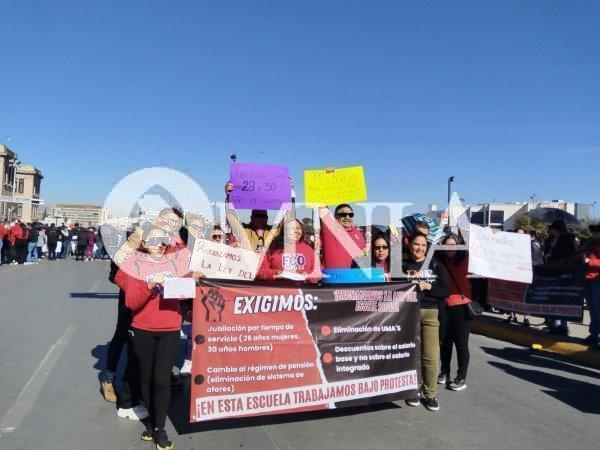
(346, 185)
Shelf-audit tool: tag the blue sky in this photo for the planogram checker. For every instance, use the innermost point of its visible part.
(503, 95)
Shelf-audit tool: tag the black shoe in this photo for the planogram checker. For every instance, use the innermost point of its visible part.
(431, 404)
(162, 440)
(147, 435)
(413, 401)
(443, 379)
(458, 384)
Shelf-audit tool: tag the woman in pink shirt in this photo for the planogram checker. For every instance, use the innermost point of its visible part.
(289, 254)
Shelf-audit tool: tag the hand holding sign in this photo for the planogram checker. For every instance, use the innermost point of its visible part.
(334, 186)
(259, 186)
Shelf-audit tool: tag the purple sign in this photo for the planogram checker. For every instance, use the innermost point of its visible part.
(260, 186)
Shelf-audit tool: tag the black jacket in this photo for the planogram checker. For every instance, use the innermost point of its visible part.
(436, 275)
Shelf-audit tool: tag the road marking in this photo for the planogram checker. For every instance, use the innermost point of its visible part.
(28, 396)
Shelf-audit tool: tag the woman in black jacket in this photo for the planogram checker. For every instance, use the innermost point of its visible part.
(432, 288)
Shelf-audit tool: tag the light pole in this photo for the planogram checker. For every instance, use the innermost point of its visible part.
(593, 205)
(450, 180)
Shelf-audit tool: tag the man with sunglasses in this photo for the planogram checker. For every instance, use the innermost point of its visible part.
(341, 241)
(255, 235)
(217, 235)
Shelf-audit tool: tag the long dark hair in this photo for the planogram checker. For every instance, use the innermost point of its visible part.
(279, 242)
(386, 238)
(459, 256)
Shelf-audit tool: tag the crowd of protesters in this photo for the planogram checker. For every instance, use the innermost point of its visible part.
(295, 249)
(27, 243)
(290, 248)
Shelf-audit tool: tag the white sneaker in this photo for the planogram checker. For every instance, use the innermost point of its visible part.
(14, 264)
(186, 368)
(137, 413)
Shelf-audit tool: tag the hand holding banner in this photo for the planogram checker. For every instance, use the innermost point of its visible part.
(260, 186)
(346, 185)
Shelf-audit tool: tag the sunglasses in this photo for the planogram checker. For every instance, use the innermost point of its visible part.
(345, 214)
(170, 219)
(260, 216)
(381, 247)
(217, 236)
(157, 240)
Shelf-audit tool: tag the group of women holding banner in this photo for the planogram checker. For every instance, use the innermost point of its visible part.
(443, 288)
(151, 324)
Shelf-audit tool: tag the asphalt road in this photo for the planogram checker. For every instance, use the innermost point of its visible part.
(55, 321)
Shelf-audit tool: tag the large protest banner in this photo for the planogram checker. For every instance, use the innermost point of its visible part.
(272, 348)
(260, 186)
(345, 185)
(222, 261)
(501, 255)
(551, 294)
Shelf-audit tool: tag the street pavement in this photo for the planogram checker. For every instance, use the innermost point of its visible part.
(56, 319)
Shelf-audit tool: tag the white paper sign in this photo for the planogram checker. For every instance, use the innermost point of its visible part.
(216, 260)
(501, 255)
(179, 288)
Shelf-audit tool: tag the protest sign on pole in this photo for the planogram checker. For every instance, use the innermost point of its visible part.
(345, 185)
(266, 348)
(221, 261)
(260, 186)
(501, 255)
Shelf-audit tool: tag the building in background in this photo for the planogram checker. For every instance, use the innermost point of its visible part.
(84, 215)
(29, 181)
(21, 187)
(503, 215)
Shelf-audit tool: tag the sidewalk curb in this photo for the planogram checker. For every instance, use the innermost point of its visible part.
(496, 329)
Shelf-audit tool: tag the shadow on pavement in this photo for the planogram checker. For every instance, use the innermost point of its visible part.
(99, 352)
(539, 359)
(180, 409)
(578, 394)
(95, 295)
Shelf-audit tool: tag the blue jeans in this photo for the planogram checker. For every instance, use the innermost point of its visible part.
(64, 249)
(32, 252)
(592, 295)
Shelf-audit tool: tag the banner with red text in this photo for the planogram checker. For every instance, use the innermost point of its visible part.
(553, 293)
(270, 348)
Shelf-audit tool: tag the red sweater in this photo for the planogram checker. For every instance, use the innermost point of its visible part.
(459, 284)
(15, 233)
(151, 312)
(3, 231)
(593, 265)
(296, 258)
(340, 246)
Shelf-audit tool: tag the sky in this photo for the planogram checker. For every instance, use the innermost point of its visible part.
(505, 96)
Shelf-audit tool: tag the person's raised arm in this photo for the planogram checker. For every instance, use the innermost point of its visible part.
(231, 216)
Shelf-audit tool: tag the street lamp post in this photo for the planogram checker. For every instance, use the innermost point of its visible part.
(450, 180)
